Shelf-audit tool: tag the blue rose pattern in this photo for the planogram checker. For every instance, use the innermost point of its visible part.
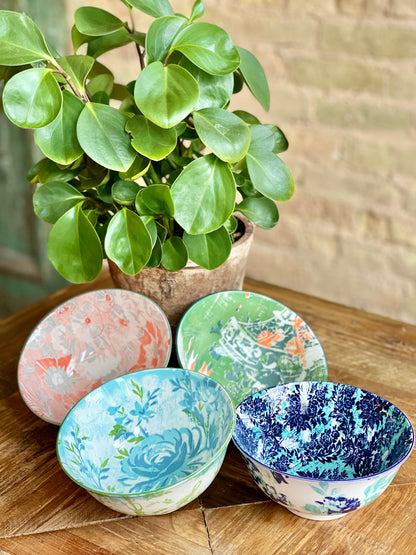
(161, 459)
(146, 460)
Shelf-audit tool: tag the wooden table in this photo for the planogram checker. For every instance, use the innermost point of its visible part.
(43, 512)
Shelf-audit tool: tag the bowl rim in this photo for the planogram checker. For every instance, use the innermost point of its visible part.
(243, 292)
(396, 465)
(194, 474)
(110, 290)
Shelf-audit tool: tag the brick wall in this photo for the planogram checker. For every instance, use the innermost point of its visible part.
(343, 80)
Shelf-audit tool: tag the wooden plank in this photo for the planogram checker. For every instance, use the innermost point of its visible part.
(268, 528)
(233, 485)
(180, 532)
(36, 495)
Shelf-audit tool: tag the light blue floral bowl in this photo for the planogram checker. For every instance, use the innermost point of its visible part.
(148, 442)
(322, 449)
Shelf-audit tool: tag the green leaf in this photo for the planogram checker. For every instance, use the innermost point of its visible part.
(104, 192)
(93, 175)
(247, 117)
(46, 170)
(161, 232)
(77, 67)
(245, 186)
(32, 98)
(150, 140)
(160, 36)
(101, 45)
(156, 256)
(120, 92)
(270, 175)
(197, 10)
(262, 137)
(268, 137)
(139, 38)
(101, 83)
(214, 90)
(231, 224)
(99, 69)
(150, 224)
(254, 76)
(78, 39)
(137, 169)
(21, 42)
(165, 95)
(154, 200)
(174, 254)
(208, 47)
(124, 192)
(53, 199)
(210, 250)
(102, 135)
(223, 132)
(74, 247)
(280, 142)
(238, 82)
(260, 210)
(100, 98)
(96, 22)
(127, 242)
(204, 195)
(58, 140)
(155, 8)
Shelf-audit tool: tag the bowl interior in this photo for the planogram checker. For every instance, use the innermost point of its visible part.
(248, 342)
(323, 431)
(87, 341)
(145, 431)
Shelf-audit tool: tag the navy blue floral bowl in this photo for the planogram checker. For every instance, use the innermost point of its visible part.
(148, 442)
(322, 449)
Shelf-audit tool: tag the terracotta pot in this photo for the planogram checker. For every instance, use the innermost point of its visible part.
(174, 292)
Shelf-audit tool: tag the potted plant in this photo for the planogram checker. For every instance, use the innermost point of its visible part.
(150, 173)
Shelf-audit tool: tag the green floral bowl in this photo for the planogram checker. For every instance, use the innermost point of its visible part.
(148, 442)
(248, 342)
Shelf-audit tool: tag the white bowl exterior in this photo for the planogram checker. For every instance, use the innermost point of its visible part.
(319, 500)
(165, 501)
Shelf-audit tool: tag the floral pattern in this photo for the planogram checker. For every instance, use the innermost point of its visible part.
(322, 449)
(87, 341)
(161, 434)
(248, 342)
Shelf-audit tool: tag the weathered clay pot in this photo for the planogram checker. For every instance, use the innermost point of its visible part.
(174, 292)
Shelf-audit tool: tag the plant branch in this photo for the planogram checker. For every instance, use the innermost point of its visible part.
(153, 174)
(167, 58)
(140, 52)
(75, 90)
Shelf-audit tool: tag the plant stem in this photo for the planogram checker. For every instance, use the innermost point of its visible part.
(140, 52)
(153, 174)
(167, 58)
(75, 90)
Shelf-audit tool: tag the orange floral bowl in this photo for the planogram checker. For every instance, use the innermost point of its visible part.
(248, 342)
(87, 341)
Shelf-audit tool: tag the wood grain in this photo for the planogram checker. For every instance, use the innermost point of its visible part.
(267, 528)
(179, 532)
(44, 512)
